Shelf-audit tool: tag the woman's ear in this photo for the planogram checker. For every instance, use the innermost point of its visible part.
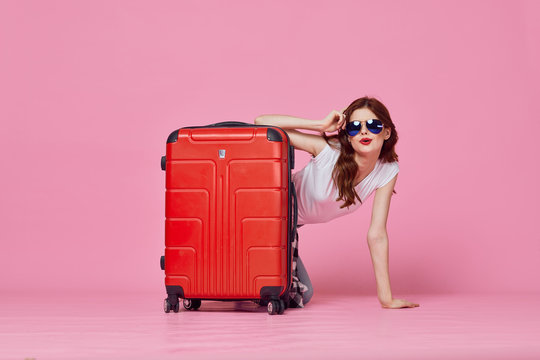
(388, 133)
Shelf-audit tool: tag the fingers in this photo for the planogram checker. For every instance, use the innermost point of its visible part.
(410, 304)
(399, 304)
(342, 122)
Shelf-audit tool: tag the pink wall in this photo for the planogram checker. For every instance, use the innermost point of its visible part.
(90, 90)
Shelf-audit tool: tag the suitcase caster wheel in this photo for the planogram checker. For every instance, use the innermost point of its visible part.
(166, 306)
(176, 307)
(273, 307)
(281, 307)
(192, 304)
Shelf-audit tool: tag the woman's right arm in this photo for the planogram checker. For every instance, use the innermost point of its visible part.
(289, 122)
(310, 143)
(332, 122)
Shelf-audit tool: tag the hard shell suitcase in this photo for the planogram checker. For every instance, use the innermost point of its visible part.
(230, 215)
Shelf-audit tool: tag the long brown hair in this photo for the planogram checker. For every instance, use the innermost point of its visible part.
(346, 167)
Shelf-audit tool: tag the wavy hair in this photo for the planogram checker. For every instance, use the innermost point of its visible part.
(346, 167)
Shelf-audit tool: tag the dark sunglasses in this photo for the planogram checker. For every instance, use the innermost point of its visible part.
(373, 125)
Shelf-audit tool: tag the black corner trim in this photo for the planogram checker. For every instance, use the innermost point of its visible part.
(162, 262)
(271, 292)
(163, 163)
(273, 135)
(173, 137)
(175, 290)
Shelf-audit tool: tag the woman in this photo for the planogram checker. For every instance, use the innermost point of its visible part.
(359, 160)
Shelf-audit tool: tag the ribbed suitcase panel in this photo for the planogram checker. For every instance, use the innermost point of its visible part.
(226, 218)
(189, 217)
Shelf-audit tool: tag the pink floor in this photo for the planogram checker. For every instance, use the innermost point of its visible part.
(353, 327)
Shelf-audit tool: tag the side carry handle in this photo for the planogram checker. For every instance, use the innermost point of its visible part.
(295, 216)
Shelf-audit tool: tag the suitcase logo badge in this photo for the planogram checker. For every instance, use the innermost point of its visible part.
(221, 153)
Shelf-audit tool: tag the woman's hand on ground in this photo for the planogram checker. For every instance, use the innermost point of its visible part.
(333, 121)
(398, 303)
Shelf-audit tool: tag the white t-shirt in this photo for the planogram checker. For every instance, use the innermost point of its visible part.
(317, 194)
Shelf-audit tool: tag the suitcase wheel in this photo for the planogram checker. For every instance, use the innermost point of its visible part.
(276, 307)
(281, 307)
(192, 304)
(167, 307)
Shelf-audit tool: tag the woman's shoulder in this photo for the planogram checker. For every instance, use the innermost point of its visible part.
(387, 171)
(389, 166)
(328, 153)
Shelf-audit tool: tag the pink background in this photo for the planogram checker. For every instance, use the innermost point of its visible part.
(89, 92)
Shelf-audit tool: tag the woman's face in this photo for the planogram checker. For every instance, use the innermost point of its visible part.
(377, 140)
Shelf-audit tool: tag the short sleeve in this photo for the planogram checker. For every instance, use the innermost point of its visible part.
(390, 171)
(326, 156)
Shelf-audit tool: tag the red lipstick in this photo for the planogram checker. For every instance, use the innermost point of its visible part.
(365, 141)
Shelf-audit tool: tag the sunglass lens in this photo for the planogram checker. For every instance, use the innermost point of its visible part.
(375, 126)
(353, 128)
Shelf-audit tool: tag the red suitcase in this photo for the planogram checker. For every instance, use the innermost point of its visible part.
(230, 215)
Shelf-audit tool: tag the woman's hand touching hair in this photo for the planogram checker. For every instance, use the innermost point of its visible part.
(333, 121)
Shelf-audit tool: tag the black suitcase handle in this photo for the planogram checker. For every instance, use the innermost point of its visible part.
(231, 123)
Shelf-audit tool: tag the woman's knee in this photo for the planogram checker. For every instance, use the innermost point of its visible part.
(306, 297)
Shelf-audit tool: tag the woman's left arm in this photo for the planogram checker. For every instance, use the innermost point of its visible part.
(378, 247)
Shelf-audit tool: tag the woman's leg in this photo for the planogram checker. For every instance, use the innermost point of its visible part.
(301, 273)
(304, 278)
